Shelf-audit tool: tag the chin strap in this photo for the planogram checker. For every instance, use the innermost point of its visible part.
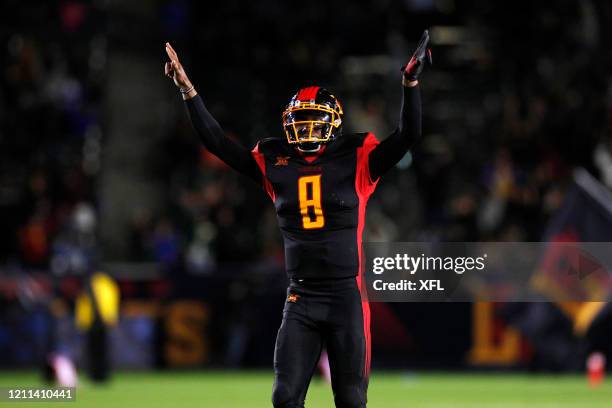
(301, 149)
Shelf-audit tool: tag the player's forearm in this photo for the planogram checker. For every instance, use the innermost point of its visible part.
(233, 154)
(213, 138)
(204, 123)
(408, 132)
(410, 117)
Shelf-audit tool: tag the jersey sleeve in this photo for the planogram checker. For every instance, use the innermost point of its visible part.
(364, 184)
(214, 139)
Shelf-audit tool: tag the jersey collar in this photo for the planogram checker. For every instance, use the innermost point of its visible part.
(310, 158)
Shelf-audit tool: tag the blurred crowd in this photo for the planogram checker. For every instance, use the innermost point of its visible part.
(53, 73)
(518, 96)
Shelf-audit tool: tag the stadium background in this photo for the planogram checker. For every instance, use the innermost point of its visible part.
(100, 170)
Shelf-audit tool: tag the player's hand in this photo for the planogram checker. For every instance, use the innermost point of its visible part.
(417, 61)
(175, 70)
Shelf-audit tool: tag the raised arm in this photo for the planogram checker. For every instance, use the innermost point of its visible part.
(208, 129)
(408, 132)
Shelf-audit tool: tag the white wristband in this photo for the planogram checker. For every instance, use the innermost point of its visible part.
(186, 91)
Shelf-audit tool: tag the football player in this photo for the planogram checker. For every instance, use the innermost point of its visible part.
(319, 180)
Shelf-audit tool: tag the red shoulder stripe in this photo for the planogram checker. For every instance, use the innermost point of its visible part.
(363, 182)
(261, 163)
(364, 187)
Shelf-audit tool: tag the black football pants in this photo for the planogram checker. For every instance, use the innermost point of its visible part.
(323, 312)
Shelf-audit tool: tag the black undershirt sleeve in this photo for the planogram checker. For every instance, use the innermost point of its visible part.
(394, 147)
(213, 138)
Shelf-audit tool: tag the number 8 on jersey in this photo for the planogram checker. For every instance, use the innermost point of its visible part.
(309, 190)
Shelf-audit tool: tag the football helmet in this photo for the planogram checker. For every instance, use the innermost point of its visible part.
(313, 116)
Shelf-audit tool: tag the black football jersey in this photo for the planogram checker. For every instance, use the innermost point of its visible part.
(320, 202)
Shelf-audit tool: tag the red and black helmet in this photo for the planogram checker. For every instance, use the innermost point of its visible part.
(311, 109)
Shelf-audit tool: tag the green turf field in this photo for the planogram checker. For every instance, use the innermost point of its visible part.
(252, 389)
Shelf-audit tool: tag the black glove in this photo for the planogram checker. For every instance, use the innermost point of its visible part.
(417, 61)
